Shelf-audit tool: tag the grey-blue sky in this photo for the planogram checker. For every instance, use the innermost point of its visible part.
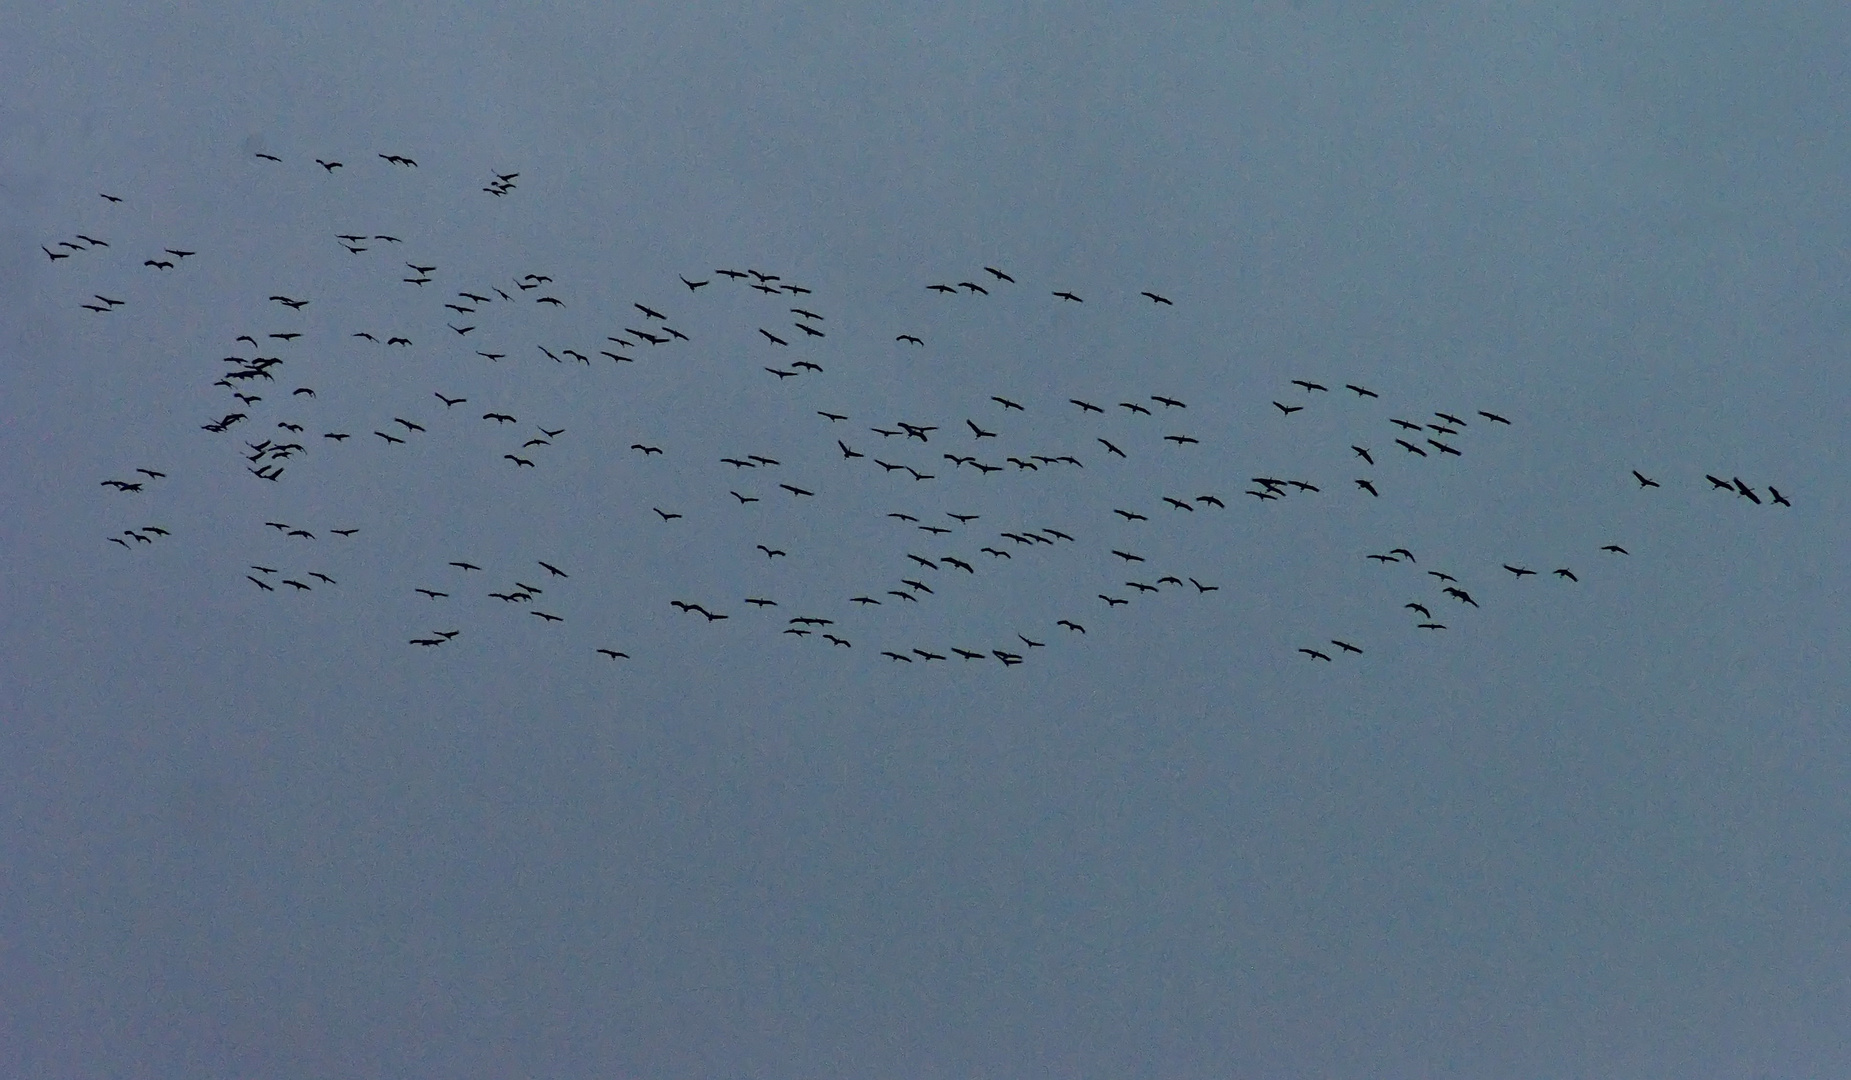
(1592, 831)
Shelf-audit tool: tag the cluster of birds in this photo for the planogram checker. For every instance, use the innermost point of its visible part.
(950, 545)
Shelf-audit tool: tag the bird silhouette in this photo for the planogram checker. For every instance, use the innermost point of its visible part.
(1370, 488)
(1287, 409)
(1644, 481)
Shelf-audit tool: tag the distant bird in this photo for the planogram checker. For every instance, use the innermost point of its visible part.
(770, 552)
(613, 653)
(328, 165)
(1716, 483)
(388, 438)
(115, 199)
(1310, 386)
(1069, 296)
(1179, 504)
(1410, 448)
(1443, 448)
(978, 432)
(1314, 654)
(1181, 440)
(1139, 409)
(409, 426)
(1127, 556)
(1748, 491)
(1364, 454)
(1071, 625)
(1105, 443)
(1370, 488)
(743, 499)
(692, 285)
(551, 569)
(1493, 417)
(519, 461)
(1345, 646)
(432, 593)
(1644, 481)
(1519, 571)
(1086, 406)
(832, 417)
(1460, 595)
(1006, 403)
(1361, 391)
(647, 450)
(909, 337)
(1112, 601)
(555, 618)
(999, 275)
(1779, 499)
(796, 490)
(1567, 573)
(252, 580)
(1442, 577)
(1201, 588)
(1422, 608)
(1130, 516)
(1156, 299)
(1616, 549)
(1287, 409)
(771, 337)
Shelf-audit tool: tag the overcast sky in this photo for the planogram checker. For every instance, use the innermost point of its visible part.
(1595, 826)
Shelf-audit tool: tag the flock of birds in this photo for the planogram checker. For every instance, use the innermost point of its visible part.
(269, 417)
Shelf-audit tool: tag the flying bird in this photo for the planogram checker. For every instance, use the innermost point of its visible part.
(1363, 453)
(1069, 296)
(1287, 409)
(1644, 481)
(1361, 391)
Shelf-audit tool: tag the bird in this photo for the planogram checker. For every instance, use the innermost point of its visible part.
(1404, 424)
(409, 426)
(1310, 386)
(328, 165)
(1493, 417)
(1211, 500)
(388, 438)
(647, 450)
(1345, 646)
(432, 593)
(743, 499)
(1179, 504)
(909, 337)
(1370, 488)
(1201, 588)
(255, 581)
(1567, 573)
(770, 552)
(1422, 608)
(831, 417)
(1006, 403)
(1644, 481)
(1155, 298)
(1716, 483)
(1519, 571)
(551, 569)
(1779, 499)
(1443, 448)
(1069, 296)
(1108, 445)
(1112, 601)
(771, 337)
(1410, 448)
(1451, 419)
(465, 566)
(999, 275)
(613, 653)
(1086, 406)
(796, 490)
(1440, 576)
(1361, 391)
(1314, 654)
(1616, 549)
(555, 618)
(1460, 595)
(116, 199)
(1139, 409)
(1130, 515)
(1748, 491)
(1287, 409)
(1127, 556)
(1181, 440)
(1363, 453)
(978, 432)
(692, 285)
